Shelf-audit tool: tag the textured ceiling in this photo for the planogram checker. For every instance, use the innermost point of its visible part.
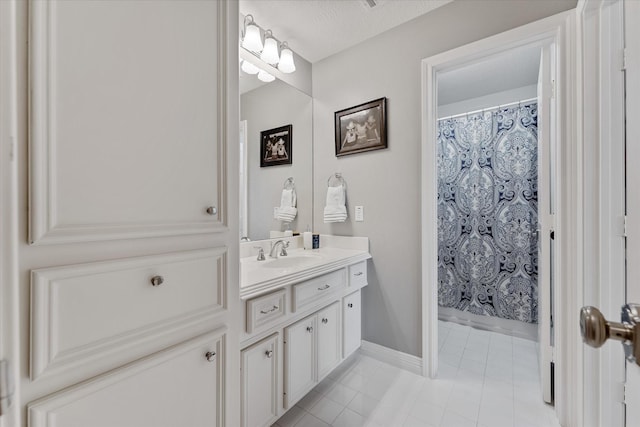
(316, 29)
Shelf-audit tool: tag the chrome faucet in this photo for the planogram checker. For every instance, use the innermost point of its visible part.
(274, 249)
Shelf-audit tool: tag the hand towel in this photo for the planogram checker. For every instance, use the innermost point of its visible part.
(287, 211)
(335, 209)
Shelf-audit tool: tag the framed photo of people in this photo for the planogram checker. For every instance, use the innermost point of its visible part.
(361, 128)
(275, 146)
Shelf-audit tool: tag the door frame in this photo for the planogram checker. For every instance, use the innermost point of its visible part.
(9, 320)
(601, 128)
(559, 30)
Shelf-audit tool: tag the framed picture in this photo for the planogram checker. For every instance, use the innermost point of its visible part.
(361, 128)
(275, 146)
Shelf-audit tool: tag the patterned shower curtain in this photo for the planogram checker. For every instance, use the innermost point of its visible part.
(487, 213)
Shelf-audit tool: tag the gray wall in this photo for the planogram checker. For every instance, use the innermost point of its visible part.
(386, 182)
(273, 105)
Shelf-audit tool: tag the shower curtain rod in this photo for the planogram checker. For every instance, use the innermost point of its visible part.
(524, 101)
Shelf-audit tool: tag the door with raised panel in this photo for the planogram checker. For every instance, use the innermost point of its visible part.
(259, 383)
(300, 360)
(329, 348)
(352, 323)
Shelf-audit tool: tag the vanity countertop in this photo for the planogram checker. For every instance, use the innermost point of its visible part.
(259, 277)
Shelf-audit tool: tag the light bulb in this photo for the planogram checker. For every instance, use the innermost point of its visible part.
(249, 68)
(252, 40)
(270, 52)
(286, 64)
(265, 77)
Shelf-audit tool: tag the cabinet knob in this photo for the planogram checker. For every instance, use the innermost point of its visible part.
(210, 355)
(157, 280)
(212, 210)
(359, 273)
(350, 305)
(325, 320)
(269, 353)
(309, 329)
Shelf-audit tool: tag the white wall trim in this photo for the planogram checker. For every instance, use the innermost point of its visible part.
(396, 358)
(44, 226)
(559, 30)
(9, 279)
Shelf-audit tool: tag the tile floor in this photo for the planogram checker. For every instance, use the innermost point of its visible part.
(485, 379)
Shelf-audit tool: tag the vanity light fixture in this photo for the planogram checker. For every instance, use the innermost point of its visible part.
(286, 64)
(267, 52)
(265, 77)
(270, 52)
(251, 39)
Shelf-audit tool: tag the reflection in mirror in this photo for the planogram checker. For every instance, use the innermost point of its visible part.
(266, 107)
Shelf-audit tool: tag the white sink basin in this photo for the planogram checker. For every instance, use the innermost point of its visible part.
(292, 261)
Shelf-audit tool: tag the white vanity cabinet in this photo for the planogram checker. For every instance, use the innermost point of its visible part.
(352, 323)
(259, 385)
(310, 319)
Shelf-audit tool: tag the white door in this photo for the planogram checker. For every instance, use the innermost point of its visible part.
(545, 221)
(632, 48)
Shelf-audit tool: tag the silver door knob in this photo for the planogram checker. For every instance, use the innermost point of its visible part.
(269, 353)
(157, 280)
(212, 210)
(325, 320)
(210, 355)
(309, 329)
(596, 330)
(350, 305)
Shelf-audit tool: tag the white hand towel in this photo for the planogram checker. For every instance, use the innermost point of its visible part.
(335, 210)
(287, 211)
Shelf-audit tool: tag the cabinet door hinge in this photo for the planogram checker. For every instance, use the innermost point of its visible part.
(624, 226)
(624, 60)
(6, 387)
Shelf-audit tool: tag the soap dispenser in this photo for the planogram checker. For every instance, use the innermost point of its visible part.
(307, 238)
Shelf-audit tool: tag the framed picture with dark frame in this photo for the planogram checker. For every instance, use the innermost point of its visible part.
(361, 128)
(275, 146)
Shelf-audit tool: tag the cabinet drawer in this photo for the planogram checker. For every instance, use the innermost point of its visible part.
(102, 311)
(265, 310)
(358, 274)
(313, 290)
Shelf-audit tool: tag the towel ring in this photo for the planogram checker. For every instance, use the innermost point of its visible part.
(336, 180)
(289, 184)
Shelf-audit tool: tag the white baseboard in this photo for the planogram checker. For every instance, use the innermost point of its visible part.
(396, 358)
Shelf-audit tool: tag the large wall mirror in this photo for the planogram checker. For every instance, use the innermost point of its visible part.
(263, 107)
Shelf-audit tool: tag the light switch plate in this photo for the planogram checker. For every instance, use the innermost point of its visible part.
(359, 213)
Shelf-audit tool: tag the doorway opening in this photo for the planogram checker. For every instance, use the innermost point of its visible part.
(489, 201)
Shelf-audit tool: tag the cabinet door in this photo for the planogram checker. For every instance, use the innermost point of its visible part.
(260, 383)
(328, 339)
(181, 386)
(300, 360)
(127, 126)
(352, 323)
